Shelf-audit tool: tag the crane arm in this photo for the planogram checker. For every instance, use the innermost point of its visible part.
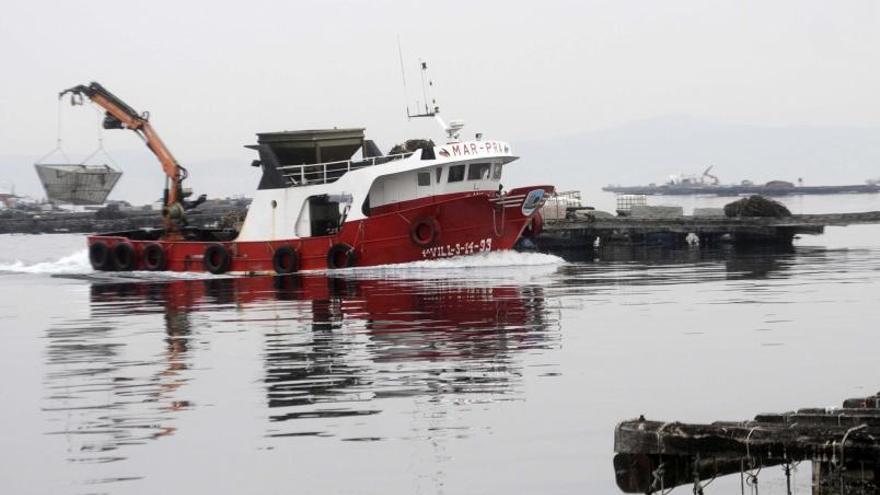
(119, 115)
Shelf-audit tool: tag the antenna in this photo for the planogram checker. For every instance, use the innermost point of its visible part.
(424, 73)
(433, 109)
(453, 129)
(402, 73)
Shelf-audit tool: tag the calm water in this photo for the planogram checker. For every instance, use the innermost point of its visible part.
(504, 374)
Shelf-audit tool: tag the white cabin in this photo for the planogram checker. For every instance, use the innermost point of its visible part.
(314, 181)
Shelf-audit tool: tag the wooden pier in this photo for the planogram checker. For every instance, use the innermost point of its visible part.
(842, 444)
(583, 233)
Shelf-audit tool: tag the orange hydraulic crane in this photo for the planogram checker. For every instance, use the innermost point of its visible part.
(121, 116)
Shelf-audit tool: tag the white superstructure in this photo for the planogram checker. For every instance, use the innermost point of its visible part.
(309, 199)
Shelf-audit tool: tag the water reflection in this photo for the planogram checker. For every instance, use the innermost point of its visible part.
(332, 348)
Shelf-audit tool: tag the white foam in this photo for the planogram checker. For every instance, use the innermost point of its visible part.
(495, 265)
(493, 259)
(75, 263)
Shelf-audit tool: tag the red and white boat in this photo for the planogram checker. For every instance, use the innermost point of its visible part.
(329, 199)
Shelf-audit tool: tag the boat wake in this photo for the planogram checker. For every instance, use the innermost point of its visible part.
(492, 259)
(77, 266)
(76, 263)
(492, 265)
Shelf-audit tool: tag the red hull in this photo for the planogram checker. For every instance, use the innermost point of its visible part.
(460, 224)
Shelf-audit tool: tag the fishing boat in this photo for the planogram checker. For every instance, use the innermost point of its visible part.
(434, 202)
(329, 199)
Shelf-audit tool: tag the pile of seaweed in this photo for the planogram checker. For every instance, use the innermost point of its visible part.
(756, 206)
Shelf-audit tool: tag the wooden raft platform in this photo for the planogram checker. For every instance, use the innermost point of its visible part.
(843, 445)
(580, 233)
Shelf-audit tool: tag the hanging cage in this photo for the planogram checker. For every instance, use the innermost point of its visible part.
(77, 184)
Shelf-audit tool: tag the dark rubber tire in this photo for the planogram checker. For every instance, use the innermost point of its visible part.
(217, 259)
(424, 231)
(155, 259)
(99, 256)
(341, 256)
(123, 257)
(285, 260)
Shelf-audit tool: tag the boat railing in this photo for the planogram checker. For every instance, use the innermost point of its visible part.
(327, 172)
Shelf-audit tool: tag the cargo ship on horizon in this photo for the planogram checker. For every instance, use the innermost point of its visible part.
(708, 184)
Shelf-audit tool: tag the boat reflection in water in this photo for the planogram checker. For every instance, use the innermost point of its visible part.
(328, 347)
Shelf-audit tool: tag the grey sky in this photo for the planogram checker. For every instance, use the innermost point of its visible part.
(214, 73)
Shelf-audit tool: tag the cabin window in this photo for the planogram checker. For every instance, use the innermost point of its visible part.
(424, 178)
(479, 171)
(497, 173)
(324, 215)
(456, 173)
(439, 174)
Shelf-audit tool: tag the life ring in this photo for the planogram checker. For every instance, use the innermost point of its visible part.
(99, 256)
(424, 231)
(123, 257)
(341, 256)
(154, 257)
(285, 260)
(216, 259)
(535, 226)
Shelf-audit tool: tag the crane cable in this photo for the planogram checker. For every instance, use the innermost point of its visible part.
(57, 148)
(100, 148)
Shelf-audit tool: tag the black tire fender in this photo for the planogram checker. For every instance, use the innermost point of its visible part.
(123, 257)
(99, 256)
(424, 231)
(341, 255)
(155, 258)
(285, 260)
(217, 259)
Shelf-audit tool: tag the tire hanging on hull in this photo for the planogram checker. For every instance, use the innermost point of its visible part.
(424, 231)
(341, 256)
(285, 260)
(123, 257)
(155, 259)
(217, 259)
(99, 256)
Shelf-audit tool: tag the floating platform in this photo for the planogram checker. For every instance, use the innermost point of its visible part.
(586, 232)
(843, 445)
(77, 184)
(734, 190)
(222, 213)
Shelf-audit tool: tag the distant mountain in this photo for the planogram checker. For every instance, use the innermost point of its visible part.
(651, 150)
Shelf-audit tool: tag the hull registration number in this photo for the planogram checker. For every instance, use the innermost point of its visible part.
(458, 249)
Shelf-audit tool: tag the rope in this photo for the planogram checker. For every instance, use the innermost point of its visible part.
(842, 467)
(698, 488)
(659, 478)
(751, 478)
(495, 223)
(57, 148)
(100, 148)
(786, 468)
